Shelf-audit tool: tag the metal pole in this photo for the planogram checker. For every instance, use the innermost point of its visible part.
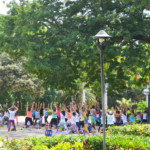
(147, 96)
(148, 119)
(147, 100)
(103, 93)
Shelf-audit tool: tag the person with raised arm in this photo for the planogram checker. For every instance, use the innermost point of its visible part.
(54, 116)
(58, 113)
(98, 115)
(12, 110)
(132, 116)
(16, 115)
(33, 110)
(45, 113)
(69, 115)
(117, 115)
(82, 111)
(6, 117)
(41, 110)
(28, 115)
(1, 108)
(124, 116)
(65, 109)
(37, 115)
(110, 117)
(62, 120)
(1, 115)
(93, 116)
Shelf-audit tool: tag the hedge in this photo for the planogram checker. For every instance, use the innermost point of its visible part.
(78, 143)
(134, 129)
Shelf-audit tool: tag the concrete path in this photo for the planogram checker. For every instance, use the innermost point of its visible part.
(22, 132)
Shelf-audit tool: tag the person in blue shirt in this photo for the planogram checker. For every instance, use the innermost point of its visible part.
(98, 115)
(33, 113)
(132, 117)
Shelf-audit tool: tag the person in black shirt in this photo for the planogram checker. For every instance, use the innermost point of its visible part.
(41, 112)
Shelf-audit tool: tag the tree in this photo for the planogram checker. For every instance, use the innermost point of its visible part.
(56, 39)
(14, 78)
(124, 103)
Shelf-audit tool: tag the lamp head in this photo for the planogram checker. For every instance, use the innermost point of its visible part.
(146, 91)
(101, 36)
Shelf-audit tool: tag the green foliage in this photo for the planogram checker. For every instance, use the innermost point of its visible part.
(141, 105)
(113, 142)
(15, 144)
(124, 103)
(56, 39)
(136, 129)
(68, 146)
(15, 79)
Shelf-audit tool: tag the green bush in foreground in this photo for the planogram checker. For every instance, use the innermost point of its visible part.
(113, 142)
(135, 129)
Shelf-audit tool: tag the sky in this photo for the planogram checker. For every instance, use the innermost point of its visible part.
(3, 8)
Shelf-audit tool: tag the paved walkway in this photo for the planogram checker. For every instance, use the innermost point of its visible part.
(22, 132)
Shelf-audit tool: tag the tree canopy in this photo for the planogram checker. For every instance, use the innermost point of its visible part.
(56, 38)
(14, 78)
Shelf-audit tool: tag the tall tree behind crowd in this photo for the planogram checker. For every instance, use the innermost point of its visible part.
(56, 37)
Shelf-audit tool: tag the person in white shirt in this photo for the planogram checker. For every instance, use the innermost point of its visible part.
(110, 118)
(12, 110)
(62, 120)
(145, 117)
(73, 123)
(124, 117)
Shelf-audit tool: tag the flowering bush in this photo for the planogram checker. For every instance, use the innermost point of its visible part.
(14, 144)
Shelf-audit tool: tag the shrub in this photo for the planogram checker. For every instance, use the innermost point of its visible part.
(141, 106)
(113, 142)
(135, 129)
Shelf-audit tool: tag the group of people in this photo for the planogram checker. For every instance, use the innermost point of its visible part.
(81, 118)
(77, 118)
(121, 117)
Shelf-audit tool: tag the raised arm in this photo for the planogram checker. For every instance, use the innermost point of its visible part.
(27, 107)
(112, 108)
(38, 104)
(51, 108)
(6, 105)
(1, 107)
(18, 104)
(32, 106)
(15, 107)
(106, 110)
(56, 106)
(43, 105)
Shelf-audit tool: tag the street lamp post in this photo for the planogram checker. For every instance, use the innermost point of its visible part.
(101, 38)
(146, 93)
